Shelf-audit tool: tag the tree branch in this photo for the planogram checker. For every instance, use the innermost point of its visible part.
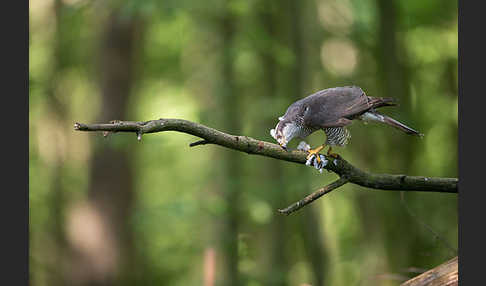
(341, 167)
(314, 196)
(444, 274)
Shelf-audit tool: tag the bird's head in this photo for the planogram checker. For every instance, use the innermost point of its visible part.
(291, 124)
(284, 131)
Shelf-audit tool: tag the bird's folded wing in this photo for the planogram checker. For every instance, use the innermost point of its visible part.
(331, 109)
(341, 122)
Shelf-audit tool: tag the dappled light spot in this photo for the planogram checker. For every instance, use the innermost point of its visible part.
(74, 2)
(41, 10)
(51, 140)
(335, 16)
(87, 232)
(339, 56)
(261, 212)
(159, 98)
(300, 274)
(436, 147)
(209, 266)
(431, 45)
(247, 64)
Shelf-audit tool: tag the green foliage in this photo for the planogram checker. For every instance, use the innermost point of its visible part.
(180, 198)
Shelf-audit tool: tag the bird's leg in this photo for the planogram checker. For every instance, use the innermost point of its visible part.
(313, 152)
(329, 153)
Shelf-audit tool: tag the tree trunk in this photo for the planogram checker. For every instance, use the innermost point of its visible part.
(274, 264)
(57, 111)
(312, 232)
(230, 179)
(101, 236)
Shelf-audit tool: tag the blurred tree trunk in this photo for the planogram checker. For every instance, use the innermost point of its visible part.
(57, 111)
(220, 108)
(393, 81)
(393, 74)
(312, 231)
(284, 24)
(104, 248)
(231, 163)
(275, 265)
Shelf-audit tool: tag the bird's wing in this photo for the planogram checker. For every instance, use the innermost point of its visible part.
(341, 122)
(334, 107)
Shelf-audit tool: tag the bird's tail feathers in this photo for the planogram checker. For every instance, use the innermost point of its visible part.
(375, 116)
(382, 101)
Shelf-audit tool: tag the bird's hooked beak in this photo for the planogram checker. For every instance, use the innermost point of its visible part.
(282, 142)
(280, 139)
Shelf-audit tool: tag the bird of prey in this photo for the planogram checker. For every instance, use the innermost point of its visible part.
(332, 110)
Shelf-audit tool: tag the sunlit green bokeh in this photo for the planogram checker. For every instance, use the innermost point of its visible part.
(367, 237)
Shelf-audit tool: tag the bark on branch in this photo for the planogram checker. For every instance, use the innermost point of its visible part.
(445, 274)
(346, 171)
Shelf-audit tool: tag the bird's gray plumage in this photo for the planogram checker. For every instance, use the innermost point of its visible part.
(332, 110)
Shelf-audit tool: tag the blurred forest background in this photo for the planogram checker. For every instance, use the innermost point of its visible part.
(115, 211)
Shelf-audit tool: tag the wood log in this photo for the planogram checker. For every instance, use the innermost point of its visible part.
(445, 274)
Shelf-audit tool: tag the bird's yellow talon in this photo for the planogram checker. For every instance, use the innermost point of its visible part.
(313, 152)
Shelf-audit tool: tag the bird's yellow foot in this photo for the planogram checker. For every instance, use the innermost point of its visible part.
(313, 152)
(330, 154)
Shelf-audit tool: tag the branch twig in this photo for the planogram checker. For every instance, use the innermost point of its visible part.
(314, 196)
(200, 142)
(253, 146)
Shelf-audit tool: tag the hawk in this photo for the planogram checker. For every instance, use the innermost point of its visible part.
(332, 110)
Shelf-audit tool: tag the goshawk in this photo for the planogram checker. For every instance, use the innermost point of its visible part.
(332, 110)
